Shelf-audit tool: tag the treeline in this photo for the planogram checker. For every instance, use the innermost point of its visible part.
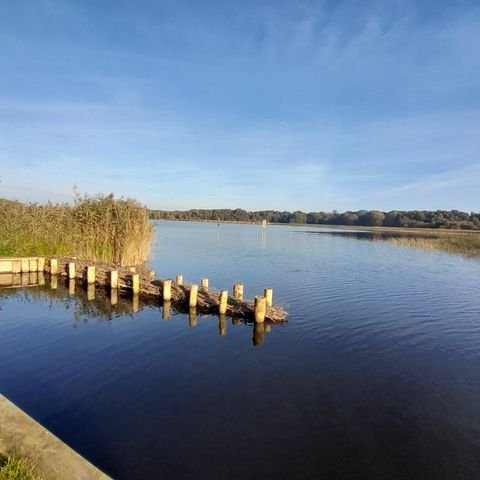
(373, 218)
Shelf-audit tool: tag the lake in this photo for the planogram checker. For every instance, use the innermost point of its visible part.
(376, 374)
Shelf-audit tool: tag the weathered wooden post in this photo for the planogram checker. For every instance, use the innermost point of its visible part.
(90, 275)
(167, 305)
(151, 275)
(41, 264)
(71, 270)
(25, 265)
(53, 266)
(16, 266)
(238, 291)
(204, 283)
(222, 308)
(268, 294)
(33, 265)
(114, 279)
(222, 324)
(193, 296)
(260, 309)
(135, 283)
(167, 290)
(192, 317)
(179, 279)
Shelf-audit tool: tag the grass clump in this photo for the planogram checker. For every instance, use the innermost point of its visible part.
(96, 227)
(464, 244)
(15, 468)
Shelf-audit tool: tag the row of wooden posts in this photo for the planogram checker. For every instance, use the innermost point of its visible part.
(260, 305)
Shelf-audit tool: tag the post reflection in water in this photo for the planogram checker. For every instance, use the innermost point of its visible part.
(90, 292)
(192, 317)
(71, 286)
(113, 296)
(258, 334)
(90, 301)
(222, 324)
(166, 312)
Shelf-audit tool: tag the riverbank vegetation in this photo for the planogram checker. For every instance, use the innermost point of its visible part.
(15, 468)
(453, 219)
(96, 227)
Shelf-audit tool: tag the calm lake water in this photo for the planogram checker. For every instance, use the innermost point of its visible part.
(376, 375)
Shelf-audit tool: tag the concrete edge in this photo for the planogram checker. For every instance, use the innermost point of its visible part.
(21, 434)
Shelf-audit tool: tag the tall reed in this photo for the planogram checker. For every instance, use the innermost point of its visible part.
(96, 227)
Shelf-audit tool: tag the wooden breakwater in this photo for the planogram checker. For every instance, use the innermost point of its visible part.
(144, 284)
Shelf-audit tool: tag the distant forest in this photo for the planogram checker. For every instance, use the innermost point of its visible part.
(373, 218)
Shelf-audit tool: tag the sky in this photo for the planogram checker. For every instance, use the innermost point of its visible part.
(285, 105)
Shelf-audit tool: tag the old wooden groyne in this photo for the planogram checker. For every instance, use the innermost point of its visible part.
(145, 284)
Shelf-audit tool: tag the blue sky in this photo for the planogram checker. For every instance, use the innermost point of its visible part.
(310, 105)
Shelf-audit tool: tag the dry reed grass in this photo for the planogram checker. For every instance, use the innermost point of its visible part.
(96, 227)
(464, 244)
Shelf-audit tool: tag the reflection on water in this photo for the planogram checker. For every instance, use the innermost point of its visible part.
(99, 303)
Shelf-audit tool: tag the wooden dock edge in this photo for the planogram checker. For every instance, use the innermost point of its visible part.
(22, 435)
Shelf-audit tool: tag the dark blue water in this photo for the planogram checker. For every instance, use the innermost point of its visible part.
(376, 375)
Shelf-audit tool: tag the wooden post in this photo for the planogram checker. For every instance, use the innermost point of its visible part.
(238, 291)
(167, 290)
(204, 283)
(16, 266)
(25, 265)
(260, 309)
(179, 279)
(268, 294)
(90, 275)
(151, 274)
(41, 264)
(135, 283)
(53, 266)
(222, 308)
(114, 279)
(71, 270)
(33, 265)
(193, 295)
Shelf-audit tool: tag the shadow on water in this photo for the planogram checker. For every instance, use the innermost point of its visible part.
(105, 304)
